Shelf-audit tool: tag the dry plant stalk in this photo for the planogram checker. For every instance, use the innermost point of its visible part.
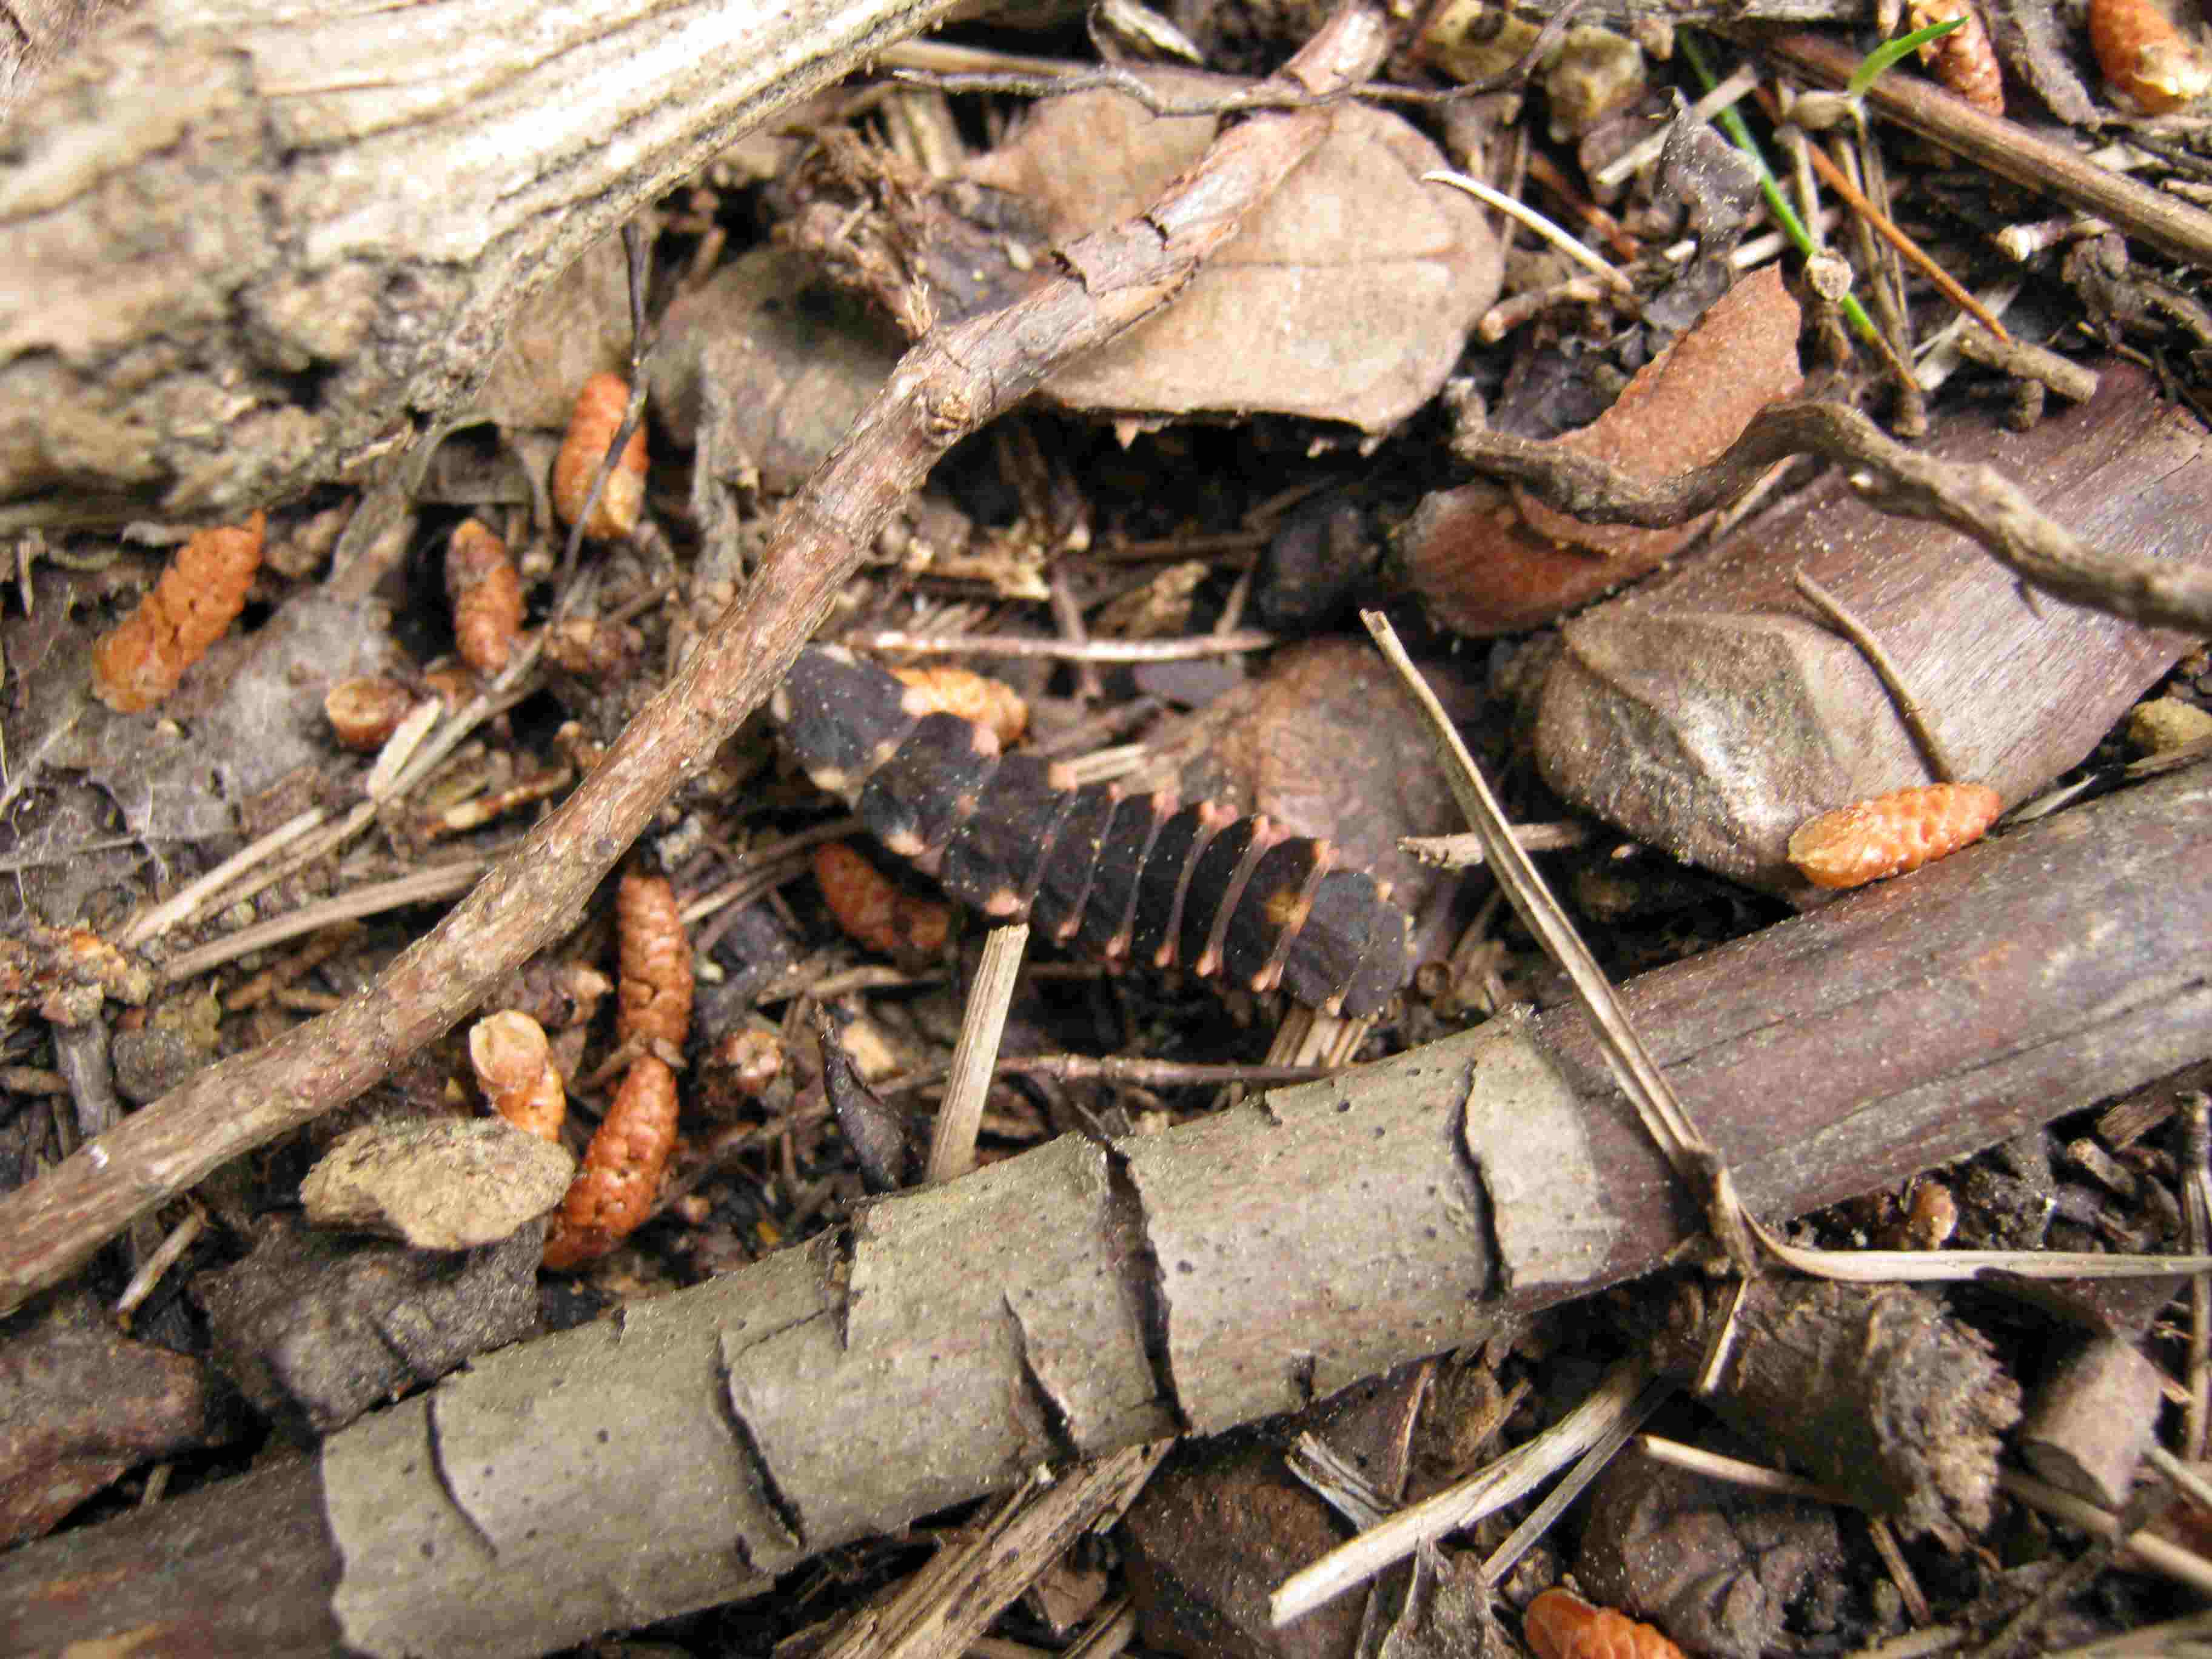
(198, 596)
(365, 712)
(1963, 60)
(619, 1182)
(654, 996)
(598, 414)
(1891, 833)
(2148, 64)
(515, 1068)
(486, 592)
(1560, 1625)
(972, 696)
(876, 913)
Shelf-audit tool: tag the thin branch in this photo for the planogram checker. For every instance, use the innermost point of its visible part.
(1000, 645)
(1975, 500)
(1940, 765)
(2008, 149)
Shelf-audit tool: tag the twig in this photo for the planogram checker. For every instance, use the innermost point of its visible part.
(150, 925)
(2008, 149)
(430, 886)
(1485, 1492)
(952, 1141)
(2030, 362)
(1500, 1561)
(1947, 285)
(1117, 1068)
(1557, 235)
(1940, 764)
(1977, 500)
(947, 385)
(2183, 1566)
(1464, 851)
(1000, 645)
(1638, 1075)
(1044, 78)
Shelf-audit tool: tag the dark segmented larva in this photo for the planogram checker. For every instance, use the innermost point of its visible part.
(1138, 876)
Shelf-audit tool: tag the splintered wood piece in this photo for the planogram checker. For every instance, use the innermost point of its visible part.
(1870, 840)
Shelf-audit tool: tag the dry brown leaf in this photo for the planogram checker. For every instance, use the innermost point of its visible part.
(1347, 298)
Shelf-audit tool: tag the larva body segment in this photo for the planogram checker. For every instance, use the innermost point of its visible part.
(1135, 875)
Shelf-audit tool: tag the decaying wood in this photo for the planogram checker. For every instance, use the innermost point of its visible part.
(253, 246)
(1715, 710)
(2092, 1418)
(1081, 1299)
(1875, 1390)
(948, 385)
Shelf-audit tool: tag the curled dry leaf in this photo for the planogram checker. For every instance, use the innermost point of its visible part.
(1489, 560)
(972, 696)
(1893, 833)
(1963, 60)
(616, 1189)
(486, 592)
(2148, 64)
(365, 711)
(654, 990)
(599, 414)
(876, 913)
(198, 596)
(515, 1068)
(1560, 1625)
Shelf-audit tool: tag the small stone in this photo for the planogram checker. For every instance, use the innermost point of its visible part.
(451, 1184)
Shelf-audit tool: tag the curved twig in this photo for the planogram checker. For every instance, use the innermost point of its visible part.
(1975, 500)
